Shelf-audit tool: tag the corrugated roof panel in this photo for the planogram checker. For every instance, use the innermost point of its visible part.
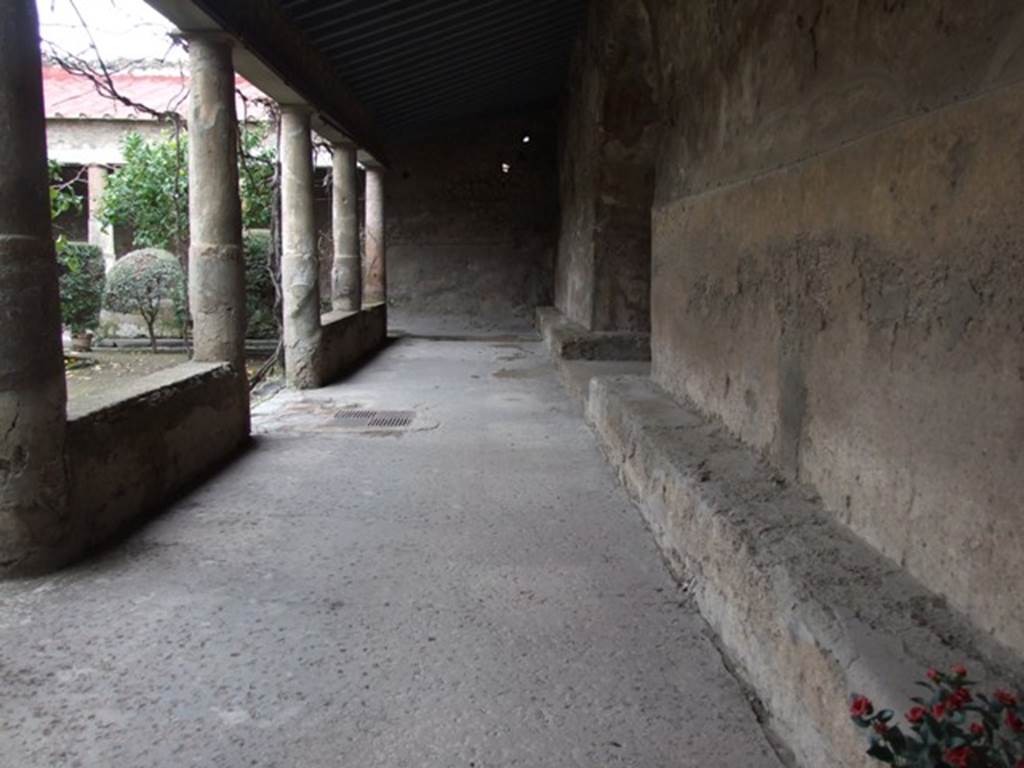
(419, 64)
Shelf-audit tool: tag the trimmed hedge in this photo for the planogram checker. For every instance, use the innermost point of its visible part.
(82, 281)
(141, 281)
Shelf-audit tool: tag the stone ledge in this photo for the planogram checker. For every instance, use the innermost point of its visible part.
(349, 337)
(151, 439)
(567, 340)
(808, 611)
(576, 375)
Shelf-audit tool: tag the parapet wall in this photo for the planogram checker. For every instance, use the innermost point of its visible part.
(838, 268)
(155, 438)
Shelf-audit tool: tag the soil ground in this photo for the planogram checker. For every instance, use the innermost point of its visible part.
(112, 367)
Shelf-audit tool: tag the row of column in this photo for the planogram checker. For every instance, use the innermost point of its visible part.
(33, 396)
(216, 290)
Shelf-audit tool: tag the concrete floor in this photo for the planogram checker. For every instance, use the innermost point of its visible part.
(477, 591)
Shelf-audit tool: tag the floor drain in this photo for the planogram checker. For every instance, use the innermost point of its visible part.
(363, 419)
(354, 417)
(392, 419)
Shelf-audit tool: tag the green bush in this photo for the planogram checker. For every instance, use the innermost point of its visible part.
(81, 285)
(149, 192)
(259, 288)
(141, 281)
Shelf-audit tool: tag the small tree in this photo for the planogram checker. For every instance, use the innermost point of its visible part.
(149, 192)
(81, 285)
(141, 282)
(63, 199)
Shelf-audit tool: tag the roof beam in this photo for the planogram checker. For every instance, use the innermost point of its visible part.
(278, 59)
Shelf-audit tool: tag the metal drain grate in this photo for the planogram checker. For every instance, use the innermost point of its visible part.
(392, 419)
(363, 419)
(354, 415)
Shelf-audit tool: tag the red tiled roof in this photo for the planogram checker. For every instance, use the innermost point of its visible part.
(75, 97)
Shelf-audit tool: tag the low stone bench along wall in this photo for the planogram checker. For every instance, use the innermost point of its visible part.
(349, 337)
(153, 439)
(808, 612)
(567, 340)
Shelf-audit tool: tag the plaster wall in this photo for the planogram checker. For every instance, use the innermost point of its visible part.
(606, 172)
(465, 239)
(96, 142)
(838, 269)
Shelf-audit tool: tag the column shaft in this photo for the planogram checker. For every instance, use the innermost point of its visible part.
(216, 285)
(32, 389)
(346, 271)
(374, 266)
(100, 236)
(299, 260)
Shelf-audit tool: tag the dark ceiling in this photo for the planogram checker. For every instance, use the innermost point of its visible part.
(418, 65)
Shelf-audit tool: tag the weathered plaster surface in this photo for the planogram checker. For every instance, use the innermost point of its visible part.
(216, 286)
(838, 265)
(610, 126)
(300, 259)
(347, 338)
(465, 239)
(346, 278)
(96, 142)
(32, 388)
(566, 340)
(375, 274)
(154, 438)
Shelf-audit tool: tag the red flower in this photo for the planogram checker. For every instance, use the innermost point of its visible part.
(933, 674)
(1005, 698)
(957, 699)
(960, 670)
(880, 728)
(977, 729)
(1020, 764)
(938, 711)
(861, 706)
(1015, 723)
(959, 757)
(915, 715)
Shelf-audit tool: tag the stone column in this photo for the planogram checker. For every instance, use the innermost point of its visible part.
(100, 236)
(300, 269)
(32, 389)
(375, 284)
(216, 285)
(346, 271)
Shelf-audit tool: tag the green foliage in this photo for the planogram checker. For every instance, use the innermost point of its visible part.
(256, 166)
(141, 281)
(259, 288)
(81, 285)
(149, 193)
(63, 199)
(953, 726)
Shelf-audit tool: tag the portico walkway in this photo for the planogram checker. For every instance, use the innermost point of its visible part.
(475, 591)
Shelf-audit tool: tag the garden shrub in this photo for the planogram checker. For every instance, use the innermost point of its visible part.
(259, 288)
(141, 281)
(81, 285)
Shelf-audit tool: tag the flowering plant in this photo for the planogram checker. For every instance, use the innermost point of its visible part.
(953, 727)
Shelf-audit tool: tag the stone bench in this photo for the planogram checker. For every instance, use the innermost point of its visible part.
(807, 611)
